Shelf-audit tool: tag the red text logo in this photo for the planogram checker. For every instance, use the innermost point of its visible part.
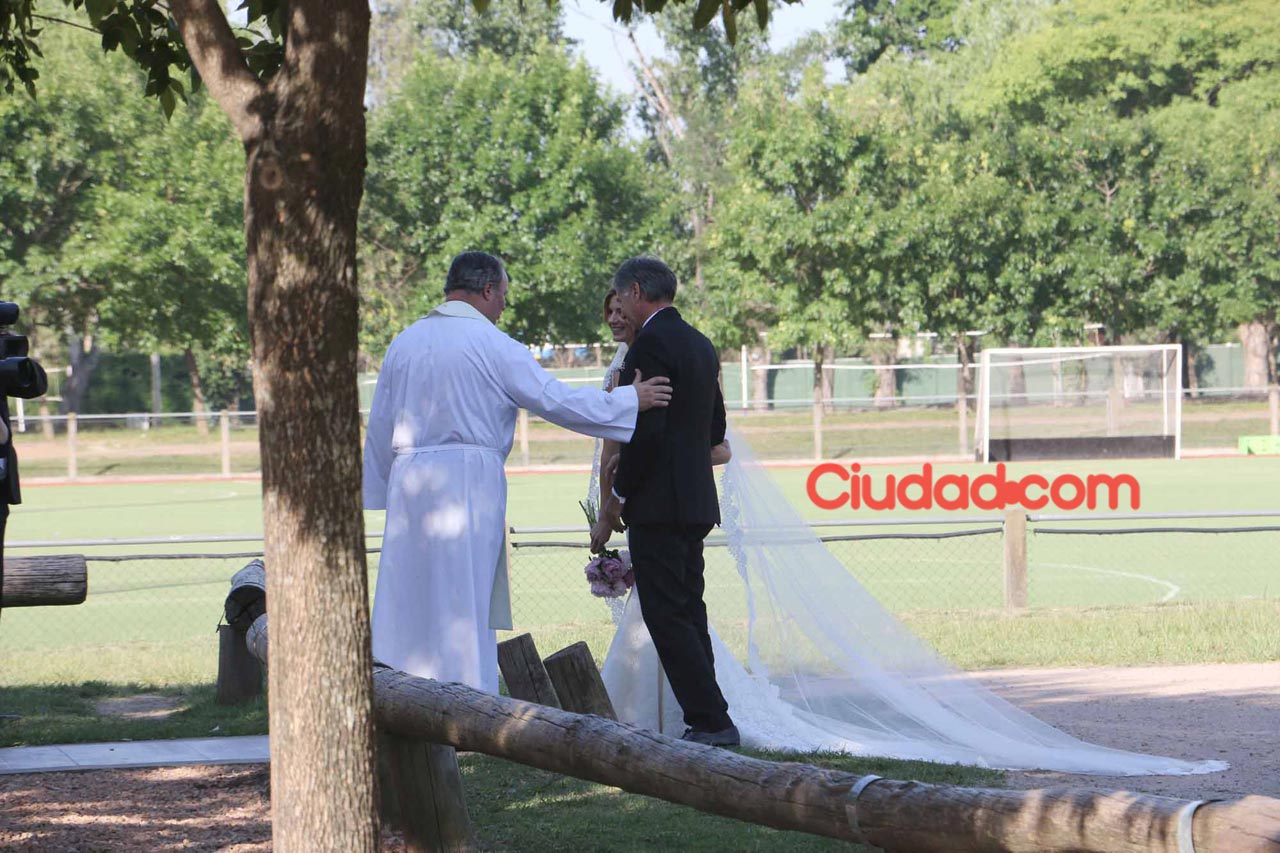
(834, 486)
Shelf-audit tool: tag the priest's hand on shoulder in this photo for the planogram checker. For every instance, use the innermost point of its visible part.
(652, 393)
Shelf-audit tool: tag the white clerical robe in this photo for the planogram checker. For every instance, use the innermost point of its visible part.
(440, 429)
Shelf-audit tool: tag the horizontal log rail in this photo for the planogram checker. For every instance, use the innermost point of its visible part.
(890, 814)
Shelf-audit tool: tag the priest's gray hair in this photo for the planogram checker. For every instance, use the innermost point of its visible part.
(471, 271)
(657, 281)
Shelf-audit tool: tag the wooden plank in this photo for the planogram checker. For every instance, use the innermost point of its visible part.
(524, 673)
(55, 579)
(578, 683)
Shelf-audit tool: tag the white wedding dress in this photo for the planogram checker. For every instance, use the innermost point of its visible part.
(825, 667)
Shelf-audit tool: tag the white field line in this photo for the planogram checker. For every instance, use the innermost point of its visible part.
(1173, 588)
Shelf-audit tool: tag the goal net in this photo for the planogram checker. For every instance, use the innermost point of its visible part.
(1079, 403)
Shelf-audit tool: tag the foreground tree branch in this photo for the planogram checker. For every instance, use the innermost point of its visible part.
(207, 35)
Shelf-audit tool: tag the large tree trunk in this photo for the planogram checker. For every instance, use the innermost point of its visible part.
(1255, 338)
(157, 398)
(884, 351)
(303, 190)
(304, 136)
(1190, 377)
(83, 356)
(197, 392)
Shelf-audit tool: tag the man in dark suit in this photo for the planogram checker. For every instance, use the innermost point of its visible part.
(665, 491)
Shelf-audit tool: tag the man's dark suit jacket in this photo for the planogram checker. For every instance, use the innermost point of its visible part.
(664, 473)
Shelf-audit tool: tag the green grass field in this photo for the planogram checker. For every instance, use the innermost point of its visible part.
(154, 620)
(149, 625)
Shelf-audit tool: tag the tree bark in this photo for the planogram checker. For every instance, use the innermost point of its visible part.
(1190, 377)
(197, 392)
(157, 399)
(304, 137)
(885, 352)
(83, 356)
(828, 377)
(1254, 338)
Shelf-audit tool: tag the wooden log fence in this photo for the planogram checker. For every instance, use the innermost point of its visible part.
(889, 814)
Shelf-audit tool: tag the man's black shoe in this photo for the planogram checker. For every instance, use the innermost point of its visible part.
(724, 737)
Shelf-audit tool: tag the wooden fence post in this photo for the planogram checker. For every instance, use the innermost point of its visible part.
(1015, 559)
(420, 791)
(524, 437)
(71, 445)
(224, 426)
(578, 683)
(239, 673)
(522, 669)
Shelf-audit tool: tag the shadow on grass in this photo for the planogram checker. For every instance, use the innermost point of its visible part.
(69, 713)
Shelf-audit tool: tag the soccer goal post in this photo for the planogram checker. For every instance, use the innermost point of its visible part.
(1079, 403)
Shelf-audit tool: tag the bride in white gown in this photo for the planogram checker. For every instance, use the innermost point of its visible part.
(827, 668)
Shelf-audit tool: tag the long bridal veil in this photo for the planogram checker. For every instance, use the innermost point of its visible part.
(847, 670)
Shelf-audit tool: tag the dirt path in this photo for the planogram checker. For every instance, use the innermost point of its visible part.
(1229, 712)
(1223, 711)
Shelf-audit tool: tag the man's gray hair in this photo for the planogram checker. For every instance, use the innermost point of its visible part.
(657, 281)
(471, 271)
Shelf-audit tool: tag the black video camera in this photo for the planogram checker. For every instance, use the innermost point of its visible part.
(18, 373)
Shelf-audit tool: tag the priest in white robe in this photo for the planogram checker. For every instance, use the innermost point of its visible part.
(441, 426)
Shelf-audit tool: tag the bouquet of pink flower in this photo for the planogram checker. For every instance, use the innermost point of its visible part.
(608, 572)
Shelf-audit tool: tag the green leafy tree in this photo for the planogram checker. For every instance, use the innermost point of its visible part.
(403, 30)
(57, 156)
(870, 29)
(180, 287)
(1168, 127)
(526, 158)
(799, 230)
(91, 171)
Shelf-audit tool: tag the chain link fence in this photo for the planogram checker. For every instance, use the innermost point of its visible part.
(153, 609)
